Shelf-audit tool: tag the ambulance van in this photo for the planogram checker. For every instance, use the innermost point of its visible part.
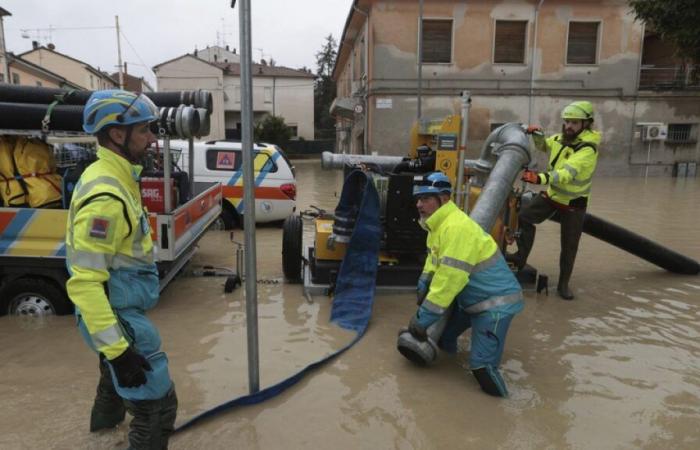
(222, 162)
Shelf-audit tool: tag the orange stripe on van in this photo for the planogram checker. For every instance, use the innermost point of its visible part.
(261, 193)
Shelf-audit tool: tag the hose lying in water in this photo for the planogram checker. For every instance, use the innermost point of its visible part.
(354, 290)
(638, 245)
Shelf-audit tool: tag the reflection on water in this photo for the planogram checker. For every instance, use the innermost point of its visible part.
(616, 368)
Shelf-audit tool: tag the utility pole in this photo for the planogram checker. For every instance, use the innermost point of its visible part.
(119, 55)
(3, 51)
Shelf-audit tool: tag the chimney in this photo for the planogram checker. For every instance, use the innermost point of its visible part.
(35, 44)
(263, 62)
(195, 52)
(227, 48)
(125, 71)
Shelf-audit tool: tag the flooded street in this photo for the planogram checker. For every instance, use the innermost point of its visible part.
(618, 368)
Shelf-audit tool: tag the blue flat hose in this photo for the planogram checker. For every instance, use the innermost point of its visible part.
(354, 289)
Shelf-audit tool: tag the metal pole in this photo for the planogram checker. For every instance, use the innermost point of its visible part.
(420, 55)
(466, 103)
(251, 295)
(119, 55)
(646, 169)
(532, 63)
(190, 166)
(167, 193)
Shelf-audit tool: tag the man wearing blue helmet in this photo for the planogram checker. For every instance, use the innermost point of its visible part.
(114, 280)
(464, 275)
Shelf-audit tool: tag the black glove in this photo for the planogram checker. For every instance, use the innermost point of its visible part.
(416, 329)
(130, 367)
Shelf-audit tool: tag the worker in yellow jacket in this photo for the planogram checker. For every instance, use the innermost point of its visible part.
(573, 155)
(113, 277)
(466, 277)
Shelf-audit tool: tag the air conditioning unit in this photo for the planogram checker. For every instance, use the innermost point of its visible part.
(655, 132)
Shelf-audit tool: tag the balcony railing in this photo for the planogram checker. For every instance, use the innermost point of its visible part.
(670, 77)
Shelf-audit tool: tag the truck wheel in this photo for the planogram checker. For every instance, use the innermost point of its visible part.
(291, 248)
(33, 297)
(227, 220)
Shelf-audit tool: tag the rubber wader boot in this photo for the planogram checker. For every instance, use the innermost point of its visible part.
(153, 422)
(525, 241)
(564, 291)
(571, 228)
(108, 410)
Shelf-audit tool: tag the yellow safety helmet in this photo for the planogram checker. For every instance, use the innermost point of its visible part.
(581, 110)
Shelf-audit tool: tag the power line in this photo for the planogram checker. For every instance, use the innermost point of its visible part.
(136, 53)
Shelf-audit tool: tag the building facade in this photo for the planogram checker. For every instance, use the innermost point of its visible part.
(75, 71)
(279, 91)
(25, 73)
(521, 61)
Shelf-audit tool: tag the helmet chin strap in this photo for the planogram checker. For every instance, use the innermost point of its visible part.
(124, 147)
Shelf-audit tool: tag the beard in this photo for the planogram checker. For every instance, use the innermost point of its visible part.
(568, 135)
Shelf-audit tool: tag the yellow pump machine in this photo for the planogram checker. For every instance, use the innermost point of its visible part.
(434, 145)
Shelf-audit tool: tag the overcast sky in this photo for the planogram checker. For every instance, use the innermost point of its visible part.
(290, 32)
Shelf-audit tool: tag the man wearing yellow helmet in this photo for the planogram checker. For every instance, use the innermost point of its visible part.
(573, 155)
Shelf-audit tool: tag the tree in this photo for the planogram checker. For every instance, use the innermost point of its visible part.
(324, 89)
(272, 129)
(675, 21)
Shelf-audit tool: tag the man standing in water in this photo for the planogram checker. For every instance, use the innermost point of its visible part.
(573, 155)
(464, 266)
(114, 280)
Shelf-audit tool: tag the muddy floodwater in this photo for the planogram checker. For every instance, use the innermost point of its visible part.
(618, 368)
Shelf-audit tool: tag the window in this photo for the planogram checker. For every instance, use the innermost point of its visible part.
(2, 77)
(231, 161)
(509, 43)
(681, 133)
(15, 78)
(92, 82)
(295, 130)
(437, 41)
(495, 125)
(583, 43)
(237, 93)
(268, 95)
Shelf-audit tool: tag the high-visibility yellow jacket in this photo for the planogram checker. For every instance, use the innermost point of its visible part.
(108, 244)
(571, 167)
(464, 263)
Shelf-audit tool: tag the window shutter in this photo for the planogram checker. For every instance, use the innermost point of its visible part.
(437, 41)
(583, 43)
(509, 45)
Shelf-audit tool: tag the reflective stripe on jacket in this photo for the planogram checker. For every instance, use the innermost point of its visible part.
(108, 241)
(571, 167)
(464, 261)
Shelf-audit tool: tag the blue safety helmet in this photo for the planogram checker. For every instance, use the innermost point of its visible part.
(432, 183)
(117, 107)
